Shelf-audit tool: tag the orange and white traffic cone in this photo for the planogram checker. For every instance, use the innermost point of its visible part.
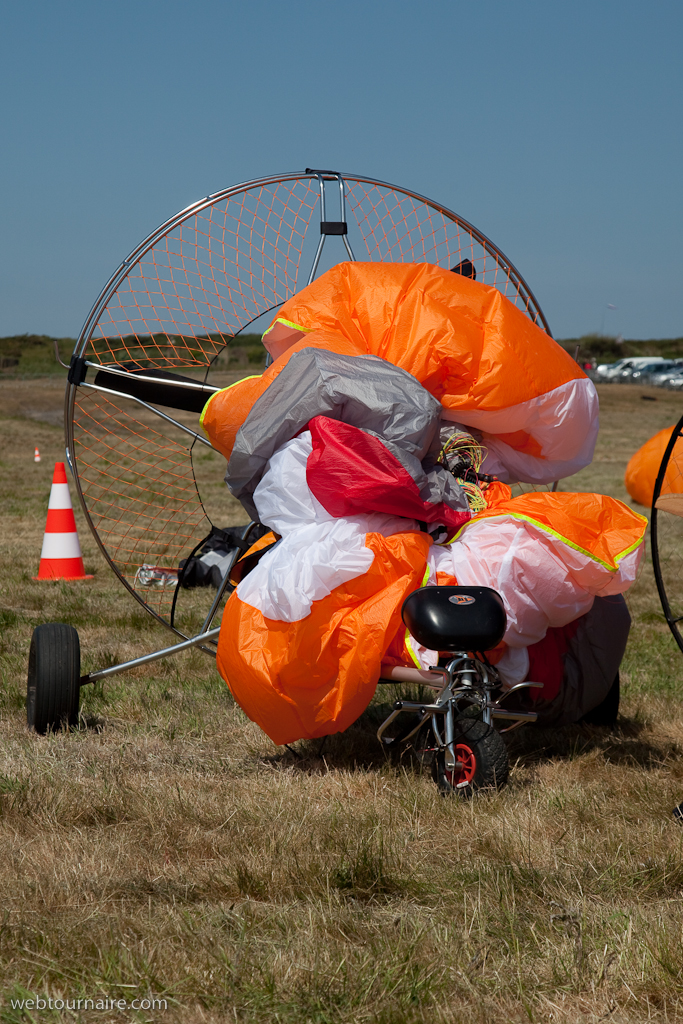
(61, 557)
(36, 455)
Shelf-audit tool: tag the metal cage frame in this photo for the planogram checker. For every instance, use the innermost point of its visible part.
(79, 364)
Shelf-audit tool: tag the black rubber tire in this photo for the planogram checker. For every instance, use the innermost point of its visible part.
(606, 712)
(488, 766)
(54, 672)
(423, 742)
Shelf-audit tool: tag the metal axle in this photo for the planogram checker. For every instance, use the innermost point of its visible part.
(194, 641)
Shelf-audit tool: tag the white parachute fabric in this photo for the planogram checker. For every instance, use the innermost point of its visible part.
(563, 422)
(544, 581)
(317, 552)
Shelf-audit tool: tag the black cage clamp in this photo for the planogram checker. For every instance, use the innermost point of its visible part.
(77, 370)
(334, 227)
(316, 170)
(330, 227)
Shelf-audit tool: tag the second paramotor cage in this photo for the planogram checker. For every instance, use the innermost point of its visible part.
(666, 532)
(145, 477)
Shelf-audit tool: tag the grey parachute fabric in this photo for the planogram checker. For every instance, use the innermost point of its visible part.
(365, 391)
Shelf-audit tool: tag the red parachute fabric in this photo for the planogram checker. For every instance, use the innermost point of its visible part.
(546, 660)
(350, 471)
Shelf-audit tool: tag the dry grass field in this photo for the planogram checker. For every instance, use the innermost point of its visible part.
(166, 849)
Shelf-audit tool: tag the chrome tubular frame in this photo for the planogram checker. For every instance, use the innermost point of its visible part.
(147, 244)
(118, 372)
(469, 680)
(195, 641)
(157, 412)
(226, 579)
(322, 177)
(465, 680)
(205, 636)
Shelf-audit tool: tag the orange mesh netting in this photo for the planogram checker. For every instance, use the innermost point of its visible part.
(400, 228)
(207, 278)
(179, 300)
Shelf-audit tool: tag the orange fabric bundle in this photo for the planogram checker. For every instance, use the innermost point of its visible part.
(316, 675)
(470, 347)
(376, 347)
(643, 467)
(464, 341)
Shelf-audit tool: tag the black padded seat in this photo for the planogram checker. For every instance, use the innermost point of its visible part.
(455, 618)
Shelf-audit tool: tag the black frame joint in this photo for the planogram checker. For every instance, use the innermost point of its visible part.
(77, 370)
(334, 227)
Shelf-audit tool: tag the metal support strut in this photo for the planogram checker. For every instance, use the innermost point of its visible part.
(464, 679)
(330, 227)
(194, 641)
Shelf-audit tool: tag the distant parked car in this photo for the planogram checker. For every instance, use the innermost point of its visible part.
(675, 380)
(644, 374)
(607, 372)
(659, 378)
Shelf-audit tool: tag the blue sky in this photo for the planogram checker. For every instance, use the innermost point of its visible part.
(555, 127)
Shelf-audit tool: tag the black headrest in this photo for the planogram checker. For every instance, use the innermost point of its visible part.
(455, 618)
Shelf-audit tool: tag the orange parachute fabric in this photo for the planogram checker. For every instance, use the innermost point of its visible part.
(547, 555)
(315, 676)
(643, 467)
(464, 341)
(602, 528)
(305, 633)
(470, 347)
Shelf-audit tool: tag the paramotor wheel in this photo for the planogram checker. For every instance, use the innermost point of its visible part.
(666, 532)
(481, 760)
(54, 670)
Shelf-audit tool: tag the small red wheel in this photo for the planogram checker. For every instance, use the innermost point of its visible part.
(468, 765)
(482, 760)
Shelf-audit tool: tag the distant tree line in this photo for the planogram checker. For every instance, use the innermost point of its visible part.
(607, 349)
(25, 355)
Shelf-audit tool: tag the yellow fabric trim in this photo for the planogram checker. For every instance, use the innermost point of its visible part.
(633, 547)
(554, 533)
(425, 580)
(252, 376)
(410, 650)
(287, 323)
